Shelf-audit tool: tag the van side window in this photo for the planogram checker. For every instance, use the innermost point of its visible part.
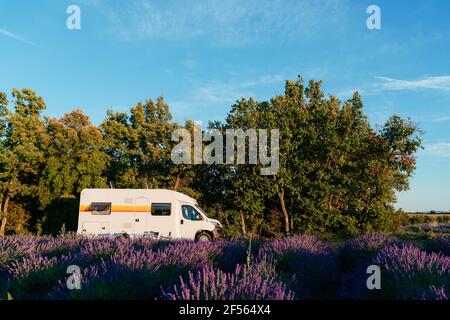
(101, 208)
(190, 213)
(161, 209)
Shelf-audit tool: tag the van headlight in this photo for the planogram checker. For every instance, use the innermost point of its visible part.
(217, 224)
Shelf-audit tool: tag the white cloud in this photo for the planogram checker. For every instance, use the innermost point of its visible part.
(436, 83)
(216, 97)
(218, 93)
(441, 83)
(440, 149)
(264, 80)
(225, 23)
(213, 98)
(16, 37)
(441, 119)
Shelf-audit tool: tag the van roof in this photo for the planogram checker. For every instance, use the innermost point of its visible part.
(141, 192)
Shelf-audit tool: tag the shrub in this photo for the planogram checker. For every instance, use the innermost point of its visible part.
(439, 244)
(34, 276)
(444, 219)
(407, 273)
(232, 253)
(127, 277)
(13, 248)
(300, 267)
(304, 263)
(138, 270)
(419, 219)
(399, 219)
(242, 284)
(362, 248)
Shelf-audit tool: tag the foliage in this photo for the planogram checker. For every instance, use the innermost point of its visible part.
(407, 273)
(242, 284)
(337, 175)
(419, 219)
(362, 248)
(440, 243)
(443, 219)
(300, 267)
(399, 220)
(309, 259)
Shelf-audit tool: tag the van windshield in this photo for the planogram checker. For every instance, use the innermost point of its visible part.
(191, 213)
(201, 211)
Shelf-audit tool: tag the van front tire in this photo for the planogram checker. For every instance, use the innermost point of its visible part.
(203, 236)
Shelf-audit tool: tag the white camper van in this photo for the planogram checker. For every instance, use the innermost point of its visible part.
(144, 212)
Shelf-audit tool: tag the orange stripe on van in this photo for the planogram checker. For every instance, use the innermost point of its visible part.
(86, 208)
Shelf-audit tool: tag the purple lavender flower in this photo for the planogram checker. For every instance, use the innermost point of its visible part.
(32, 277)
(304, 262)
(439, 244)
(407, 273)
(242, 284)
(363, 248)
(138, 269)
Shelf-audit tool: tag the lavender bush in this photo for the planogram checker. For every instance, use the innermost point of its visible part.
(363, 248)
(242, 284)
(137, 271)
(300, 267)
(232, 253)
(407, 273)
(131, 277)
(305, 263)
(33, 276)
(439, 244)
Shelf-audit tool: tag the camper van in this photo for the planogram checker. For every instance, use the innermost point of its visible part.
(144, 212)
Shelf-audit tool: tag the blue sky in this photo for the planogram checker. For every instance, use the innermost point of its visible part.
(203, 55)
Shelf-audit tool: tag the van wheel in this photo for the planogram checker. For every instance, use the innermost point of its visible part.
(125, 236)
(203, 236)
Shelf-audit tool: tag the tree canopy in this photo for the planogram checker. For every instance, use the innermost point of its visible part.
(337, 174)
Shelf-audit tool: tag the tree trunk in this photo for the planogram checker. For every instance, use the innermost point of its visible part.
(177, 183)
(244, 231)
(178, 178)
(4, 216)
(285, 213)
(291, 210)
(18, 229)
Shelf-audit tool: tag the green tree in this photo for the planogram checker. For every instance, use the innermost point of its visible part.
(337, 174)
(74, 158)
(139, 145)
(22, 157)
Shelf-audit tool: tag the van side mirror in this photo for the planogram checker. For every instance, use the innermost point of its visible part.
(181, 221)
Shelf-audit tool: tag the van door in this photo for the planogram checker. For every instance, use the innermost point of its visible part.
(162, 220)
(190, 221)
(141, 212)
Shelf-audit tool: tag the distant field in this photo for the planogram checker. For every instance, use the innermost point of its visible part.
(435, 222)
(431, 215)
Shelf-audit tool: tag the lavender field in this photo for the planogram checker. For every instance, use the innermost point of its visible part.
(293, 268)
